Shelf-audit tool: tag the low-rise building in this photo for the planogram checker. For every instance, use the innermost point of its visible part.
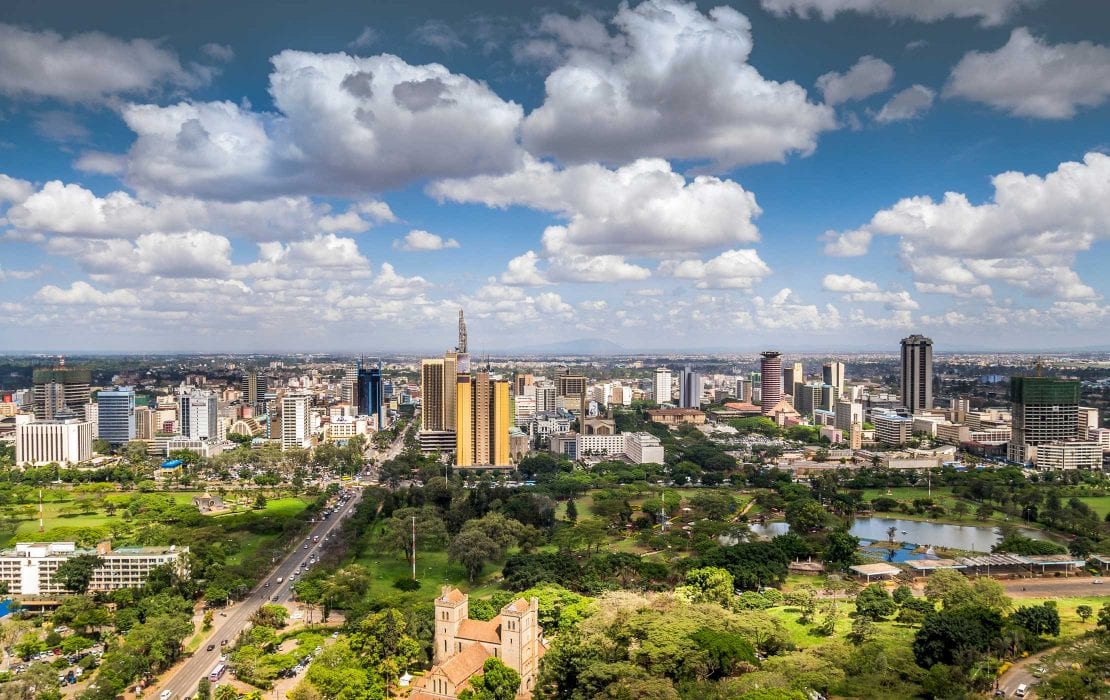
(676, 416)
(65, 439)
(891, 428)
(1068, 455)
(643, 448)
(29, 567)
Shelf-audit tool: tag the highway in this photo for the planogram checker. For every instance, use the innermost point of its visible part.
(230, 621)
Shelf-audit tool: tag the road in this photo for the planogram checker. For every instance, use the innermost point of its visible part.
(1022, 673)
(229, 622)
(1055, 587)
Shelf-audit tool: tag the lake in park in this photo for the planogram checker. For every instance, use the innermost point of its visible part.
(910, 533)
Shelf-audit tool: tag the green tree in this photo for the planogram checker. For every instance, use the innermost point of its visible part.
(1038, 619)
(947, 586)
(863, 630)
(902, 594)
(960, 509)
(806, 515)
(874, 603)
(1084, 612)
(496, 682)
(101, 446)
(841, 549)
(473, 549)
(572, 511)
(1104, 617)
(204, 689)
(710, 584)
(431, 532)
(76, 573)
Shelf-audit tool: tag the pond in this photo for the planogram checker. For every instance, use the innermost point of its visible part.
(916, 532)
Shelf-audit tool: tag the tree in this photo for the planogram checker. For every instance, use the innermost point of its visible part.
(984, 512)
(1038, 619)
(76, 573)
(902, 594)
(101, 446)
(841, 549)
(225, 691)
(1084, 612)
(806, 515)
(572, 511)
(204, 689)
(431, 531)
(473, 549)
(955, 635)
(960, 510)
(710, 584)
(874, 603)
(863, 630)
(947, 586)
(496, 682)
(1104, 617)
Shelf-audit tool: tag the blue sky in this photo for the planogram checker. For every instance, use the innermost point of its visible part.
(801, 174)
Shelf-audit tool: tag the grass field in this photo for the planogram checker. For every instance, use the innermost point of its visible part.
(1100, 504)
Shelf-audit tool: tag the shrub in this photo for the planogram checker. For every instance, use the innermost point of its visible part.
(406, 584)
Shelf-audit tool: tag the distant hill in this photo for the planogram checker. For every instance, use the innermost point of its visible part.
(581, 346)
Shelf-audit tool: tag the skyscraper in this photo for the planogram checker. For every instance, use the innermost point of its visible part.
(254, 387)
(197, 413)
(661, 386)
(116, 415)
(833, 374)
(369, 393)
(917, 373)
(1045, 410)
(793, 377)
(482, 420)
(431, 395)
(296, 421)
(690, 389)
(770, 384)
(348, 385)
(60, 387)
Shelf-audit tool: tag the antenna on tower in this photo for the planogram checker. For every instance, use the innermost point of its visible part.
(462, 333)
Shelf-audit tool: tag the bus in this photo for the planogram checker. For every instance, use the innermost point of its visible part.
(217, 673)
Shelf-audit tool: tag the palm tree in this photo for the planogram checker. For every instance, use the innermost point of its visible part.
(891, 532)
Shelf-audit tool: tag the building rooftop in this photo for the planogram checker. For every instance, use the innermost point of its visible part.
(934, 564)
(876, 569)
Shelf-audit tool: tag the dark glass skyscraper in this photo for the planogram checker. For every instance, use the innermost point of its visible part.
(369, 384)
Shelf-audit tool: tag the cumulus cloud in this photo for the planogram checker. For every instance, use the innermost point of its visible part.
(89, 67)
(857, 290)
(907, 104)
(672, 83)
(417, 240)
(365, 38)
(1028, 77)
(193, 254)
(867, 77)
(344, 125)
(988, 12)
(71, 210)
(14, 190)
(84, 294)
(785, 310)
(389, 283)
(643, 207)
(218, 52)
(325, 255)
(1027, 235)
(732, 269)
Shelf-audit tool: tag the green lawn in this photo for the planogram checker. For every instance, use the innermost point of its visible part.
(1070, 624)
(1100, 504)
(803, 637)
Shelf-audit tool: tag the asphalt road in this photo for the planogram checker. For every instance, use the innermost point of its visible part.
(1052, 587)
(230, 621)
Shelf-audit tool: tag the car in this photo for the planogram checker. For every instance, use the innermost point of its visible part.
(223, 642)
(1096, 582)
(275, 598)
(1021, 690)
(210, 647)
(166, 695)
(223, 614)
(1039, 671)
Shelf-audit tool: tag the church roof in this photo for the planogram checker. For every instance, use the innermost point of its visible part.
(481, 630)
(452, 595)
(465, 664)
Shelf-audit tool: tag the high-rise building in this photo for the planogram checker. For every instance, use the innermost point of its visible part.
(793, 376)
(483, 420)
(833, 375)
(116, 415)
(450, 371)
(917, 373)
(546, 399)
(144, 423)
(254, 387)
(770, 384)
(690, 389)
(661, 385)
(296, 420)
(60, 387)
(66, 439)
(847, 412)
(572, 388)
(197, 413)
(432, 395)
(1045, 410)
(807, 399)
(369, 393)
(348, 385)
(522, 382)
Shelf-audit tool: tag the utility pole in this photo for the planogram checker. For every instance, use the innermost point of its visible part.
(414, 548)
(42, 523)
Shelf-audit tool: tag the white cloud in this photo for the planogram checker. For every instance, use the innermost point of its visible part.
(192, 254)
(523, 270)
(867, 77)
(70, 209)
(643, 207)
(63, 127)
(1030, 78)
(988, 12)
(907, 104)
(732, 269)
(218, 52)
(786, 311)
(84, 294)
(389, 283)
(673, 83)
(101, 163)
(14, 190)
(1027, 235)
(365, 38)
(377, 210)
(847, 244)
(324, 256)
(345, 125)
(89, 67)
(857, 290)
(417, 240)
(438, 34)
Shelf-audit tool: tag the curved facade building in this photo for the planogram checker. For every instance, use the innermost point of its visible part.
(770, 386)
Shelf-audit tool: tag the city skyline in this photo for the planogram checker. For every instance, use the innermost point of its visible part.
(342, 180)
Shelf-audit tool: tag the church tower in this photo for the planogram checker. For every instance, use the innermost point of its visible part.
(451, 609)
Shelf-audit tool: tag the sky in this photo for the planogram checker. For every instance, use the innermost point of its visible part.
(344, 176)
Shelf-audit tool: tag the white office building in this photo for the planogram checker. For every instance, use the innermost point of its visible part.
(848, 412)
(643, 448)
(65, 439)
(1068, 456)
(197, 411)
(661, 385)
(296, 421)
(891, 428)
(28, 568)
